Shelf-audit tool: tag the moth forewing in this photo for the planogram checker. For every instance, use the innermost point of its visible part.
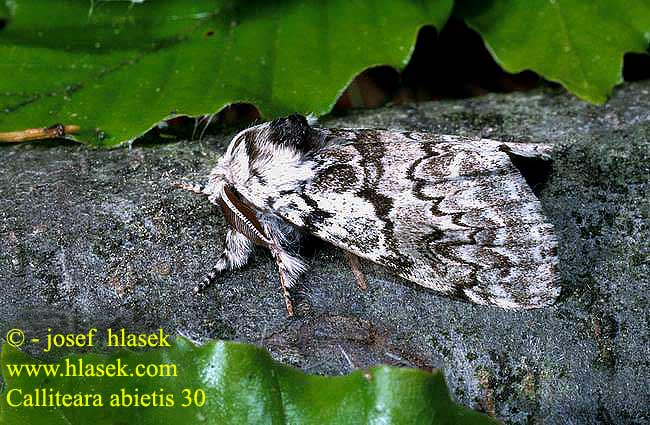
(450, 213)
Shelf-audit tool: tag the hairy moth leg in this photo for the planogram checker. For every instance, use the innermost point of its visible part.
(285, 282)
(236, 253)
(290, 268)
(355, 265)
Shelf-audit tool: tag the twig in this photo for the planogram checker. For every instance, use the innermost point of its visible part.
(53, 132)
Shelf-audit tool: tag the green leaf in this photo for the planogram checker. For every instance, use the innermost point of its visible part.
(242, 385)
(578, 43)
(117, 68)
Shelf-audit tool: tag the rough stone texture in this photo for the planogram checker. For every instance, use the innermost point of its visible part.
(100, 238)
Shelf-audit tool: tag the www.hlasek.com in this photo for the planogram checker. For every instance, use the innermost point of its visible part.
(95, 368)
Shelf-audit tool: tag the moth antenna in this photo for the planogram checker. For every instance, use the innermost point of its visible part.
(205, 127)
(196, 126)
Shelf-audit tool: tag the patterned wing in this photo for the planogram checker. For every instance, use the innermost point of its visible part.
(449, 213)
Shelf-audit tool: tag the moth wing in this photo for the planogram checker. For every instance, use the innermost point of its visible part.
(449, 213)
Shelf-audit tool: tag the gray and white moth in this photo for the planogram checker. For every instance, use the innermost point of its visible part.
(450, 213)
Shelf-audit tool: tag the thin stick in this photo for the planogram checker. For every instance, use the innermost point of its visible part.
(54, 132)
(362, 283)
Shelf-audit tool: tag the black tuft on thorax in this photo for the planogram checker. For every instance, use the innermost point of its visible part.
(294, 131)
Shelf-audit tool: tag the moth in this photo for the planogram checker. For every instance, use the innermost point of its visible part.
(453, 214)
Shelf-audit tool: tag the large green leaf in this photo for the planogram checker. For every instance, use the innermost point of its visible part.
(243, 385)
(117, 68)
(578, 43)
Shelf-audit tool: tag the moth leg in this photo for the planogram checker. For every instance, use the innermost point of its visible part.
(290, 269)
(290, 266)
(355, 265)
(191, 187)
(236, 253)
(284, 284)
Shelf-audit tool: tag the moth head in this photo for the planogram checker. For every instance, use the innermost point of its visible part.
(290, 132)
(233, 167)
(288, 140)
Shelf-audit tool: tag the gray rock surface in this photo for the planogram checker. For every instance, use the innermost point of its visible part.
(99, 238)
